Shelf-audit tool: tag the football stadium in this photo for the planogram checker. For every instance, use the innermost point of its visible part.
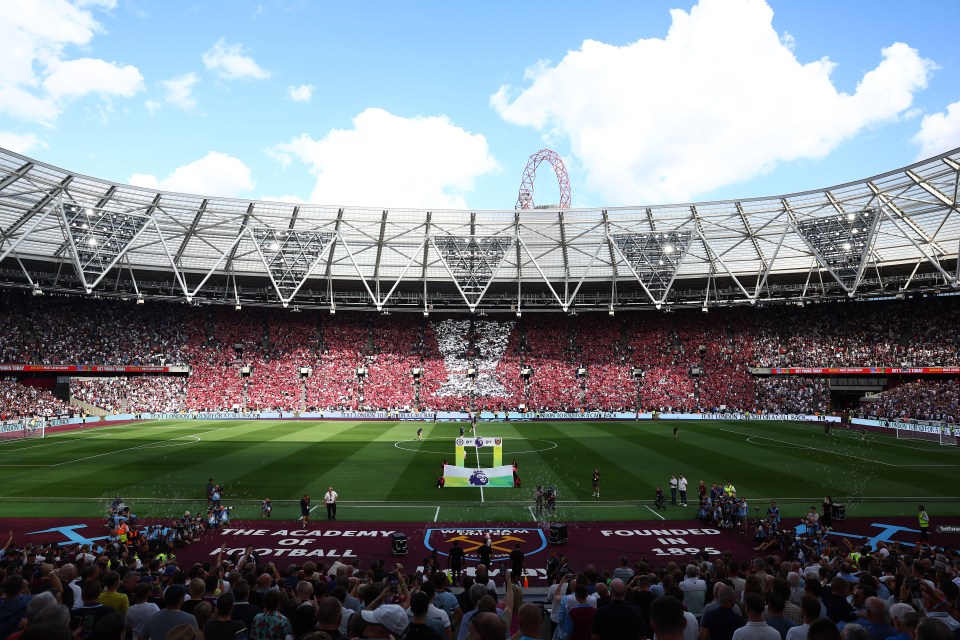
(291, 349)
(650, 381)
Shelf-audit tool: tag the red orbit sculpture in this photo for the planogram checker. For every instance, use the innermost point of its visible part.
(525, 197)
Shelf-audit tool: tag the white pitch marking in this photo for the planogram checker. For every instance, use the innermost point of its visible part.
(803, 446)
(654, 512)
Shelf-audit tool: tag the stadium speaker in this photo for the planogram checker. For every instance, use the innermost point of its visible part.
(245, 371)
(416, 372)
(398, 543)
(637, 372)
(703, 348)
(696, 371)
(361, 372)
(471, 373)
(305, 372)
(526, 372)
(581, 372)
(557, 534)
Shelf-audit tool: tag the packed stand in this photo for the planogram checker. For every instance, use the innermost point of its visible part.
(76, 330)
(487, 347)
(722, 346)
(215, 359)
(389, 383)
(20, 401)
(550, 354)
(812, 587)
(782, 394)
(145, 394)
(334, 384)
(600, 346)
(653, 347)
(288, 343)
(936, 400)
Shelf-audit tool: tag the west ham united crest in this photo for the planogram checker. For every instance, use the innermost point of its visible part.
(503, 541)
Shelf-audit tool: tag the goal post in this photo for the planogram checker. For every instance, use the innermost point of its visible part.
(23, 428)
(929, 431)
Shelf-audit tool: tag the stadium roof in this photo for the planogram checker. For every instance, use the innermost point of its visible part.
(880, 236)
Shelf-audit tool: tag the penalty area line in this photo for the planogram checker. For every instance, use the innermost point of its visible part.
(803, 446)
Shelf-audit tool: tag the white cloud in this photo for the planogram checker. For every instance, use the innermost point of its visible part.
(303, 93)
(717, 101)
(388, 160)
(939, 132)
(228, 61)
(178, 92)
(215, 174)
(76, 78)
(38, 77)
(21, 142)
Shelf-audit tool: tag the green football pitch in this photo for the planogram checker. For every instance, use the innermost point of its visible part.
(382, 472)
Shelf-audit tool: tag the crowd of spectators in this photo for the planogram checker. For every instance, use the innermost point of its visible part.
(780, 394)
(838, 592)
(75, 330)
(141, 394)
(684, 362)
(809, 588)
(937, 400)
(21, 401)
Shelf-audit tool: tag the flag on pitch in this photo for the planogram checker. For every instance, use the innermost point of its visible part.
(454, 476)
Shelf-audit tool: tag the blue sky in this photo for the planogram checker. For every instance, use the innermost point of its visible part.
(439, 104)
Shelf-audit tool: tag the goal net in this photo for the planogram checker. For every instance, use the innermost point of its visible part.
(22, 428)
(923, 430)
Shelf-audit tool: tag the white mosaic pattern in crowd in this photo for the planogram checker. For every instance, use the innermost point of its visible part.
(491, 344)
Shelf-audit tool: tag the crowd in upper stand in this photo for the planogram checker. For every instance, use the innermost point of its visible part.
(688, 361)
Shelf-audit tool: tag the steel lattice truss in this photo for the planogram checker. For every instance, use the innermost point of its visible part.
(880, 236)
(290, 257)
(472, 262)
(842, 243)
(654, 258)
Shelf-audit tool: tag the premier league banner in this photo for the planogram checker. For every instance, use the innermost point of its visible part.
(467, 477)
